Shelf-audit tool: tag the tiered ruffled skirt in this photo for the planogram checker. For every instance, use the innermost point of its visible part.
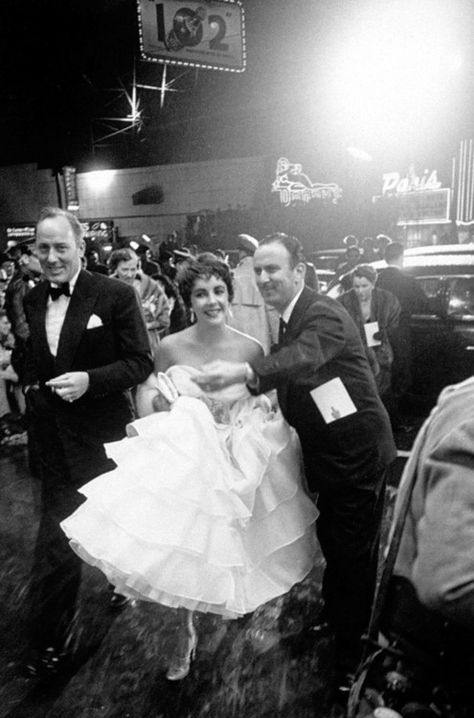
(199, 514)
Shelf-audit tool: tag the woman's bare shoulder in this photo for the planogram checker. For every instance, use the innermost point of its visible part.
(247, 348)
(171, 350)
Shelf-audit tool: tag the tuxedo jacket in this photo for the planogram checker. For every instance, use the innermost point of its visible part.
(114, 350)
(322, 343)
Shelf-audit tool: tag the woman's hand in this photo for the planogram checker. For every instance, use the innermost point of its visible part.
(219, 374)
(159, 403)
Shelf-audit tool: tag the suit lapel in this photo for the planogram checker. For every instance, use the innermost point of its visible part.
(78, 312)
(37, 322)
(293, 328)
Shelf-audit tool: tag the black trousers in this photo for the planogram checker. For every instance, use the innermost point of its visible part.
(348, 529)
(66, 458)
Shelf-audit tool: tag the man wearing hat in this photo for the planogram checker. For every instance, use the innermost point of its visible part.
(26, 275)
(249, 312)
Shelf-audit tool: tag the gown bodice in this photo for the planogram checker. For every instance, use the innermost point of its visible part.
(223, 404)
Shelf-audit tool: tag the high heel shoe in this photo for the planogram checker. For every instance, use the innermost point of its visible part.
(181, 664)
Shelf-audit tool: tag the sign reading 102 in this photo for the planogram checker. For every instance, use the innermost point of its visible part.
(202, 34)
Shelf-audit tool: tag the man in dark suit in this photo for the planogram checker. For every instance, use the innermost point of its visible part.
(88, 344)
(412, 301)
(327, 392)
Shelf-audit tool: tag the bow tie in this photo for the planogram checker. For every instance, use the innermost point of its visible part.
(55, 292)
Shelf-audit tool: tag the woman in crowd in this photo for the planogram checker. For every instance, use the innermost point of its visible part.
(376, 313)
(124, 264)
(8, 376)
(178, 315)
(205, 510)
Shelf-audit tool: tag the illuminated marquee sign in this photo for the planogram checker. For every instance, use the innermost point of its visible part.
(19, 233)
(295, 186)
(208, 34)
(428, 207)
(98, 228)
(393, 183)
(70, 188)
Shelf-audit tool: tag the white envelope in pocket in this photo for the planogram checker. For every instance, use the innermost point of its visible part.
(94, 321)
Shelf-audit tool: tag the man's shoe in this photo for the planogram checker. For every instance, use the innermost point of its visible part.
(48, 663)
(117, 602)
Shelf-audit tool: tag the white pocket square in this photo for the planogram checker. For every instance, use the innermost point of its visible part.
(94, 321)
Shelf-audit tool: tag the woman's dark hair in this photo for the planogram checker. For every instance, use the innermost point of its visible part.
(179, 316)
(169, 287)
(291, 244)
(204, 266)
(366, 271)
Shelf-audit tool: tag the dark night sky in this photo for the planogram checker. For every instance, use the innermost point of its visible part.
(58, 58)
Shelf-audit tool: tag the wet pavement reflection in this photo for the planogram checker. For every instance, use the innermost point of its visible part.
(266, 664)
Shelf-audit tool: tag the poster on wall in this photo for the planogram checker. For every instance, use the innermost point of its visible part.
(208, 34)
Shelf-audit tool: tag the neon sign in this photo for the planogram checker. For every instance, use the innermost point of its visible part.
(394, 184)
(295, 186)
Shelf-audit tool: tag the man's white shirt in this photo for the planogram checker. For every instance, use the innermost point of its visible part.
(55, 315)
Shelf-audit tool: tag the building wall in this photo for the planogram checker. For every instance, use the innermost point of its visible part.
(187, 188)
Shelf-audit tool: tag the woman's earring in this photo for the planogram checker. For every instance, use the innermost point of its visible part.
(192, 316)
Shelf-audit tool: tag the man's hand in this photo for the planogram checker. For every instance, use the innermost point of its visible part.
(70, 386)
(219, 374)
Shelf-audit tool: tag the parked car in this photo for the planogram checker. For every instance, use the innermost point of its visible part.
(325, 261)
(442, 338)
(325, 277)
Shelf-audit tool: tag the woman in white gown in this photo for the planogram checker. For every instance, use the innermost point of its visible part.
(205, 510)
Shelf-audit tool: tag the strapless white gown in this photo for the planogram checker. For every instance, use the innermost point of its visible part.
(205, 509)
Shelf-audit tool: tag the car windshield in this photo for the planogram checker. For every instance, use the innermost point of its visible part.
(461, 296)
(432, 287)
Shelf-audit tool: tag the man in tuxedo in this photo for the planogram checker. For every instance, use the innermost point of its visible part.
(88, 345)
(326, 390)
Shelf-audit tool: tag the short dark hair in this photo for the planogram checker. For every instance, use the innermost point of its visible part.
(121, 255)
(52, 212)
(393, 251)
(291, 244)
(350, 240)
(366, 271)
(204, 266)
(169, 287)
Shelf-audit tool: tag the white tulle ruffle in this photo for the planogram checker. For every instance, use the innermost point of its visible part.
(205, 515)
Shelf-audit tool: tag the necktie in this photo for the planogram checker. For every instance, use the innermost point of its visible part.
(55, 292)
(281, 330)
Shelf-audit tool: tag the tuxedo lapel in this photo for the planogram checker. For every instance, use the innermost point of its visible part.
(78, 312)
(37, 323)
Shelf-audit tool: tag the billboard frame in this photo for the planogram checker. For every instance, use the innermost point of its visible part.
(170, 56)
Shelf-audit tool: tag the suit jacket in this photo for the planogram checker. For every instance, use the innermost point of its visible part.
(385, 310)
(436, 550)
(407, 290)
(322, 343)
(115, 353)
